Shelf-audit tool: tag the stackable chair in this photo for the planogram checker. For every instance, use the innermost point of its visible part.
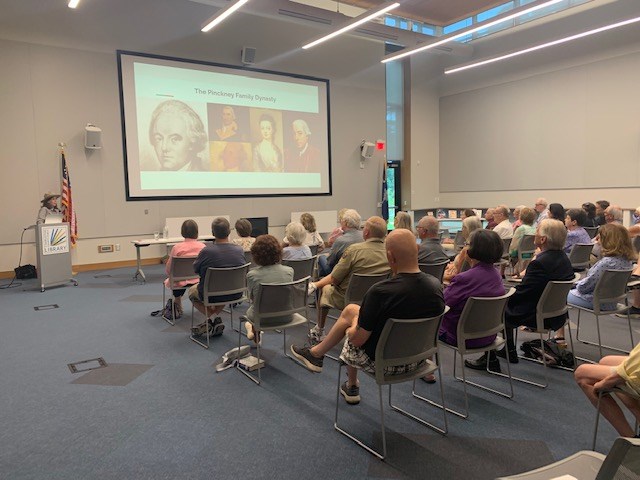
(458, 242)
(435, 269)
(621, 463)
(314, 249)
(402, 342)
(220, 282)
(181, 269)
(619, 389)
(611, 288)
(248, 257)
(552, 303)
(592, 231)
(481, 317)
(580, 255)
(526, 248)
(277, 306)
(301, 268)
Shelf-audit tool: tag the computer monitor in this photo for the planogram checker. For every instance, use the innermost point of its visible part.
(259, 225)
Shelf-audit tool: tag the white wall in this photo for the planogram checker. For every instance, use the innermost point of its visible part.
(48, 94)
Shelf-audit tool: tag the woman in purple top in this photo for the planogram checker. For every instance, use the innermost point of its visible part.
(481, 280)
(575, 221)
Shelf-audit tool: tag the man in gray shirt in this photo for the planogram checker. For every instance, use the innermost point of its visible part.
(350, 225)
(430, 250)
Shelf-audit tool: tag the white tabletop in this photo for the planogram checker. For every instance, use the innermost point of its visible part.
(145, 242)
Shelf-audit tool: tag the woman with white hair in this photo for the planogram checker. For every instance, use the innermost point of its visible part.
(296, 235)
(461, 262)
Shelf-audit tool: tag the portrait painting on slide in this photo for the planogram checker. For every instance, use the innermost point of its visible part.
(266, 132)
(177, 136)
(229, 145)
(302, 153)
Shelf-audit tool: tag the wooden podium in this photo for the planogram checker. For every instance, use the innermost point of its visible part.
(53, 255)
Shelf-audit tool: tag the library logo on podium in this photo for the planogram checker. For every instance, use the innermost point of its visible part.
(55, 240)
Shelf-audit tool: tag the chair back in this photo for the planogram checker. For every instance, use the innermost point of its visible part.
(506, 243)
(526, 247)
(481, 317)
(220, 282)
(592, 231)
(314, 249)
(458, 242)
(359, 284)
(611, 288)
(301, 268)
(403, 342)
(636, 243)
(182, 269)
(622, 461)
(275, 303)
(435, 269)
(580, 255)
(248, 257)
(553, 301)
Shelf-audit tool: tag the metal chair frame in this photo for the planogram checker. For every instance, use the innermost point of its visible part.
(402, 342)
(580, 255)
(302, 268)
(181, 269)
(621, 389)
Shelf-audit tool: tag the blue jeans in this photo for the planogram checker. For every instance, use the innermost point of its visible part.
(579, 301)
(323, 265)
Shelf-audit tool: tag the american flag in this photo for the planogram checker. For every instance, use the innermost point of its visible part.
(68, 212)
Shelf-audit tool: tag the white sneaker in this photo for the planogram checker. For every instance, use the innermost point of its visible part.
(312, 288)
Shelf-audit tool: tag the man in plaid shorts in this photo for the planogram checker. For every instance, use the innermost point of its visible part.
(408, 294)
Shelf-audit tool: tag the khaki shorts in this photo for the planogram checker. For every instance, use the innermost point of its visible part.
(332, 298)
(194, 296)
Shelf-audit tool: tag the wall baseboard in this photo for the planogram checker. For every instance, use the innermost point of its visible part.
(101, 266)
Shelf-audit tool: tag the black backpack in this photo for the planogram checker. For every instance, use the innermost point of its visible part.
(555, 355)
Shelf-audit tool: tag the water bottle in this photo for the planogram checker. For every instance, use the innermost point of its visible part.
(165, 232)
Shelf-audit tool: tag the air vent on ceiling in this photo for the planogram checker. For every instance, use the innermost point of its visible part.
(373, 33)
(304, 16)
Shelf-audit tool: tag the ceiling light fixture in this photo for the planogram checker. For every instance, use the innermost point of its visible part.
(355, 22)
(222, 15)
(73, 3)
(469, 31)
(544, 45)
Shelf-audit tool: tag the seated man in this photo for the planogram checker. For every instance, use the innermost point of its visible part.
(409, 294)
(430, 250)
(222, 254)
(367, 257)
(611, 371)
(350, 226)
(551, 264)
(503, 227)
(541, 209)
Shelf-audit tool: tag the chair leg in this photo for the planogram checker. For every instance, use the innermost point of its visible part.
(379, 455)
(630, 329)
(243, 371)
(483, 387)
(600, 345)
(524, 380)
(595, 428)
(441, 406)
(196, 340)
(464, 387)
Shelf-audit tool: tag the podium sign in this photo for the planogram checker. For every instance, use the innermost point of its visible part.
(53, 254)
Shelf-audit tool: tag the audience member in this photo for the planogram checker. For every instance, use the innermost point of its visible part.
(350, 226)
(312, 236)
(366, 257)
(468, 212)
(556, 212)
(296, 234)
(488, 216)
(481, 280)
(403, 220)
(635, 216)
(613, 214)
(266, 253)
(503, 226)
(189, 247)
(574, 221)
(430, 250)
(617, 254)
(461, 262)
(338, 230)
(221, 254)
(612, 371)
(516, 216)
(590, 210)
(601, 206)
(551, 264)
(244, 228)
(527, 217)
(409, 294)
(541, 209)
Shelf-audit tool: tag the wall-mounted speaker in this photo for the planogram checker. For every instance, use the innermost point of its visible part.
(92, 137)
(248, 55)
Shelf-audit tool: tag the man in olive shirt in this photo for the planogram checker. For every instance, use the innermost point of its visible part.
(368, 257)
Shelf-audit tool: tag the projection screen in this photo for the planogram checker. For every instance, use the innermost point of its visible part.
(206, 130)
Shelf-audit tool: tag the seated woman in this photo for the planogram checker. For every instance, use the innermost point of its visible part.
(266, 252)
(481, 280)
(190, 247)
(338, 230)
(575, 221)
(313, 237)
(460, 263)
(296, 234)
(556, 212)
(527, 217)
(590, 209)
(244, 228)
(516, 215)
(611, 371)
(403, 220)
(617, 254)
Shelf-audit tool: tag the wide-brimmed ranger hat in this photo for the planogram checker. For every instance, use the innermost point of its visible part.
(49, 196)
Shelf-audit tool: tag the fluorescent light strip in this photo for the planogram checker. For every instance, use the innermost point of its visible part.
(222, 15)
(469, 31)
(544, 45)
(365, 17)
(73, 3)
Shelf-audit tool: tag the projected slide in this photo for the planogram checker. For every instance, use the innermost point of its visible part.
(201, 130)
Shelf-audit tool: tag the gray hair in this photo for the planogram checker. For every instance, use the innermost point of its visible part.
(296, 233)
(430, 224)
(615, 211)
(195, 127)
(555, 231)
(302, 125)
(471, 224)
(352, 219)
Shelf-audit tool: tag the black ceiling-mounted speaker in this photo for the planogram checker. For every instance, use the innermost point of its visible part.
(248, 55)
